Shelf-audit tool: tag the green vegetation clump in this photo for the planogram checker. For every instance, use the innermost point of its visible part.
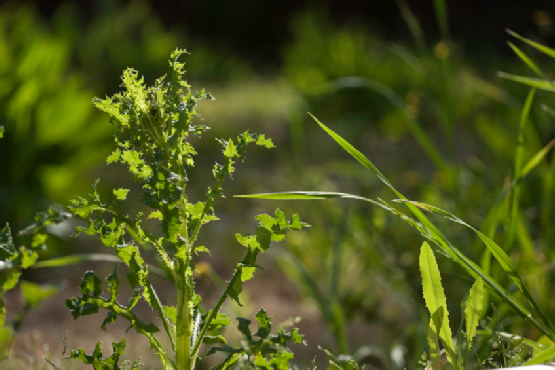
(153, 130)
(447, 135)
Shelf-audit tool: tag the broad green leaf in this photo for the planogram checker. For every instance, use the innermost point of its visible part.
(2, 130)
(433, 346)
(435, 301)
(503, 259)
(474, 310)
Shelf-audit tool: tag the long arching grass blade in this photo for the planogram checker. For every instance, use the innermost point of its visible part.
(500, 255)
(93, 257)
(525, 59)
(544, 49)
(474, 270)
(413, 124)
(530, 81)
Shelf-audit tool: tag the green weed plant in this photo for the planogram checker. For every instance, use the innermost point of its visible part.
(154, 127)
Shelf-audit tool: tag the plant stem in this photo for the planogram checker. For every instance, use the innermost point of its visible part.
(183, 327)
(212, 316)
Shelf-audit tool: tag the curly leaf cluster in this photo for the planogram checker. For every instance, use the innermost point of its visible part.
(262, 349)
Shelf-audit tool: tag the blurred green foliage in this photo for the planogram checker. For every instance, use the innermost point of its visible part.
(437, 121)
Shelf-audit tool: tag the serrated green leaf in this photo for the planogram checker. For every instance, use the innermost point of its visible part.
(10, 280)
(264, 324)
(247, 272)
(171, 313)
(221, 320)
(110, 318)
(435, 301)
(114, 157)
(216, 339)
(113, 284)
(96, 359)
(281, 360)
(157, 215)
(474, 310)
(91, 284)
(121, 194)
(265, 142)
(230, 149)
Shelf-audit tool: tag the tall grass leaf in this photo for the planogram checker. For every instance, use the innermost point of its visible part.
(443, 243)
(544, 49)
(435, 301)
(537, 158)
(413, 24)
(526, 60)
(414, 125)
(429, 229)
(492, 219)
(530, 81)
(92, 257)
(519, 159)
(473, 311)
(503, 259)
(541, 357)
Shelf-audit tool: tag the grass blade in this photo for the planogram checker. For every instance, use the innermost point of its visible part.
(541, 357)
(413, 124)
(530, 81)
(544, 49)
(503, 259)
(430, 230)
(436, 302)
(519, 159)
(525, 59)
(510, 337)
(93, 257)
